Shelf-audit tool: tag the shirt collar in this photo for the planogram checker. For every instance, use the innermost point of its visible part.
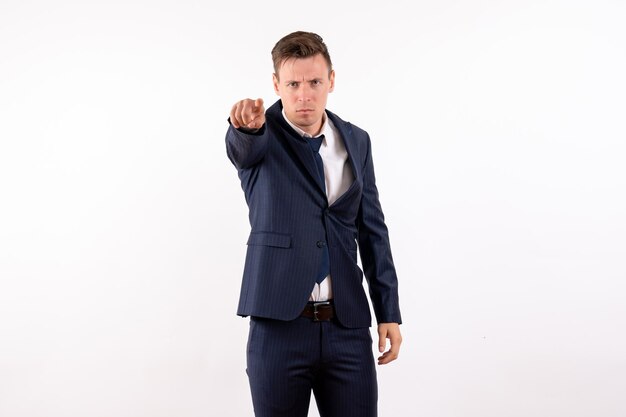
(323, 130)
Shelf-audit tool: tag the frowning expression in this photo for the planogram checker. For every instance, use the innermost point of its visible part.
(303, 85)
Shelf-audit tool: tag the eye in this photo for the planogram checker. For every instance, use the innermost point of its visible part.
(292, 84)
(316, 82)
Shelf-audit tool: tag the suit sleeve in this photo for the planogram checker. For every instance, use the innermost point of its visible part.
(375, 249)
(245, 149)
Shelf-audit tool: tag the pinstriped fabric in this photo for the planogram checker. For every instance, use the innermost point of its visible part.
(288, 359)
(291, 223)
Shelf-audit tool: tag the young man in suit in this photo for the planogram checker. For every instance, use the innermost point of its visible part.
(308, 179)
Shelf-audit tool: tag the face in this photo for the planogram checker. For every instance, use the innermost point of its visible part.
(303, 85)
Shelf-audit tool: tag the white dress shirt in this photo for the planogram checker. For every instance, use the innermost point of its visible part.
(338, 178)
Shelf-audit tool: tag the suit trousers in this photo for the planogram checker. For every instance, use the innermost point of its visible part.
(286, 360)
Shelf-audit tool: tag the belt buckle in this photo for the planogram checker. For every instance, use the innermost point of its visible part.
(316, 311)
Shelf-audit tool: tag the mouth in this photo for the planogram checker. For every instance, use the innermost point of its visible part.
(305, 111)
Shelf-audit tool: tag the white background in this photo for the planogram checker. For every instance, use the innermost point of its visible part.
(499, 145)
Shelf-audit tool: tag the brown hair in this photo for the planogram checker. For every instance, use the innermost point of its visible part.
(299, 45)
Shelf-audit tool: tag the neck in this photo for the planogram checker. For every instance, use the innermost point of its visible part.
(309, 130)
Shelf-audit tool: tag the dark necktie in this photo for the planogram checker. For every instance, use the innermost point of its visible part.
(316, 143)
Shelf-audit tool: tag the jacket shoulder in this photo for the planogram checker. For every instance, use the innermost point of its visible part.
(347, 127)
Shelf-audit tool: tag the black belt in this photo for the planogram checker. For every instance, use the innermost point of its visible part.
(319, 310)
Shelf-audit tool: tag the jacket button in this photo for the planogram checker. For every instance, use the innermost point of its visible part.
(321, 243)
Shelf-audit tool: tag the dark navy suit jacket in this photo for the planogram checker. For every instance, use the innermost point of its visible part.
(291, 222)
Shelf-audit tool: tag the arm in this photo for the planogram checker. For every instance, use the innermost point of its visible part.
(375, 249)
(246, 138)
(378, 264)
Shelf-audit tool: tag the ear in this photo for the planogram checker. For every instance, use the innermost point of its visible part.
(331, 77)
(275, 81)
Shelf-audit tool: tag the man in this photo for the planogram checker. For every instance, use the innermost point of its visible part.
(308, 179)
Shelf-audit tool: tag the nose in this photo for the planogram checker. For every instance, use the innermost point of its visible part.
(304, 92)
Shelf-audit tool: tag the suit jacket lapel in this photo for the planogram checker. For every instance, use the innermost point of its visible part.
(345, 130)
(303, 150)
(298, 144)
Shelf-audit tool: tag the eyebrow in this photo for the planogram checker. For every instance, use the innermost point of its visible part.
(308, 81)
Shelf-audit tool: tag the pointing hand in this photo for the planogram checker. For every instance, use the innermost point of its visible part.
(248, 114)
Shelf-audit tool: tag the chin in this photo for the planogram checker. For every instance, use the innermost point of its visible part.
(309, 117)
(306, 122)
